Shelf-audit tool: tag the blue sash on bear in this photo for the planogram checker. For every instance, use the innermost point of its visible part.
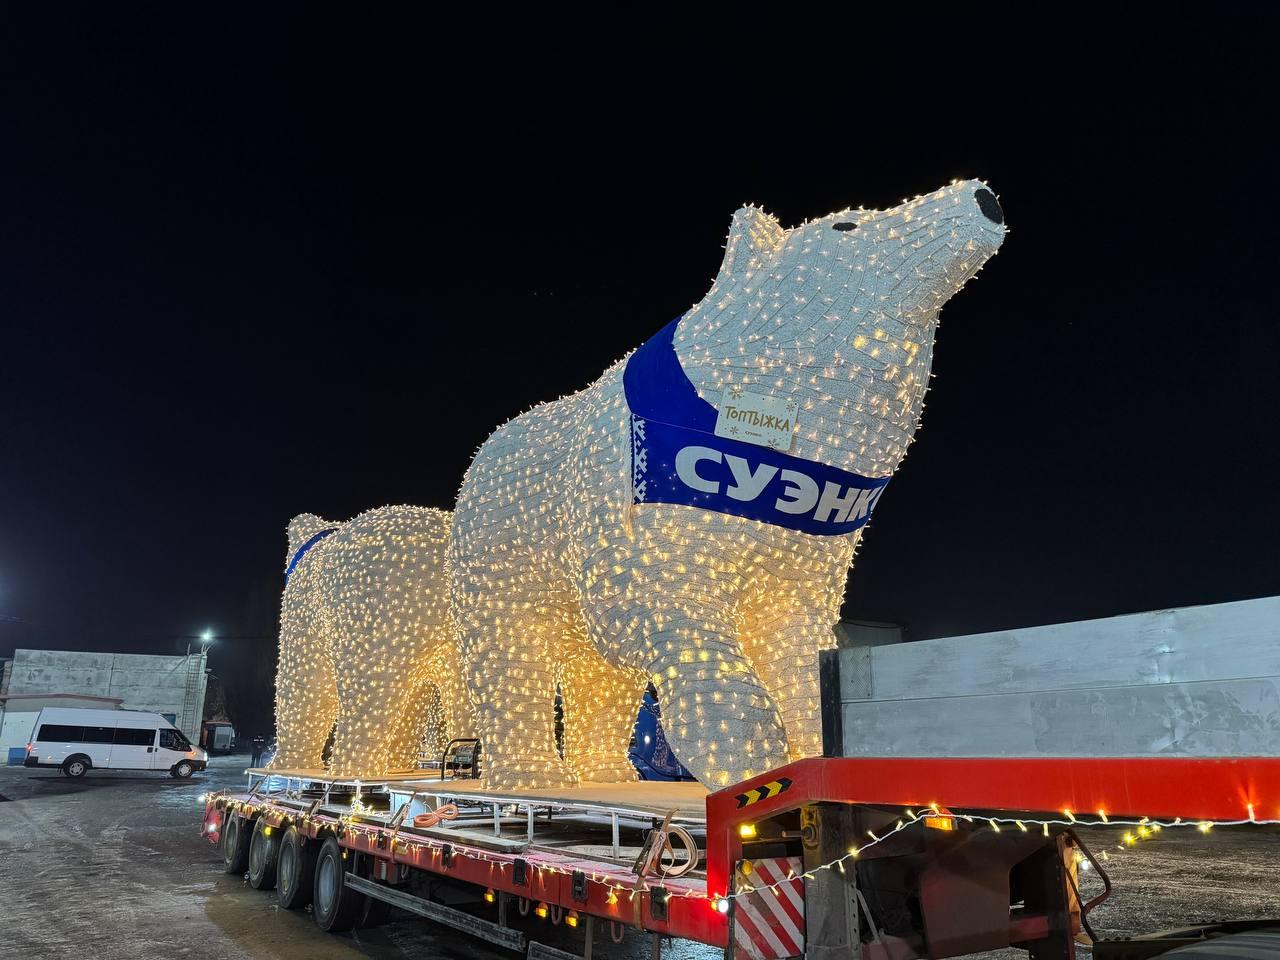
(302, 551)
(677, 458)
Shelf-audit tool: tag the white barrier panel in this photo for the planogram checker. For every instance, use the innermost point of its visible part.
(1192, 681)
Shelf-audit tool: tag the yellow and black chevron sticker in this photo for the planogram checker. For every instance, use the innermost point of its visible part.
(765, 791)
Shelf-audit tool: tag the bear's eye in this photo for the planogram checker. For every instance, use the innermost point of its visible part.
(844, 226)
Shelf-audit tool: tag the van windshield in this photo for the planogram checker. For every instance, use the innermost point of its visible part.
(173, 740)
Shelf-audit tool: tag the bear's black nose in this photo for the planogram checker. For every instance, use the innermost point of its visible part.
(989, 205)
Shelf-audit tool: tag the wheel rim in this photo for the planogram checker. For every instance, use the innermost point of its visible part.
(327, 886)
(184, 769)
(255, 854)
(229, 838)
(284, 869)
(77, 768)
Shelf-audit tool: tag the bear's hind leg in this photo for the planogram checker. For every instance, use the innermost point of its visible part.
(380, 723)
(306, 702)
(457, 716)
(600, 706)
(510, 670)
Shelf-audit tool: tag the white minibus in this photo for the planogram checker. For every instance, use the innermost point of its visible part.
(76, 741)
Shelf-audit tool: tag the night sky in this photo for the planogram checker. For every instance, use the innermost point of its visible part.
(262, 260)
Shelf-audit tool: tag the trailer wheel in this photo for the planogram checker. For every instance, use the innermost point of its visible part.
(235, 843)
(76, 767)
(264, 846)
(295, 870)
(335, 906)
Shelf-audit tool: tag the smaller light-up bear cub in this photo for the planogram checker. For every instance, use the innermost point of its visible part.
(367, 644)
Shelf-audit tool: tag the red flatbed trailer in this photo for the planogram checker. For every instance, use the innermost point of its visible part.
(970, 886)
(946, 816)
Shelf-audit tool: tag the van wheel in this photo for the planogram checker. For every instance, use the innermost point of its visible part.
(235, 843)
(295, 870)
(182, 769)
(263, 847)
(335, 906)
(76, 767)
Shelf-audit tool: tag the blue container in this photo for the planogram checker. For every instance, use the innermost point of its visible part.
(17, 755)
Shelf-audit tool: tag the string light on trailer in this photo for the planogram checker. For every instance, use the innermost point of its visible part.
(1143, 828)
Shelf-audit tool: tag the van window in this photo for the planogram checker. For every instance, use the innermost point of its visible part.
(60, 733)
(98, 734)
(132, 737)
(173, 740)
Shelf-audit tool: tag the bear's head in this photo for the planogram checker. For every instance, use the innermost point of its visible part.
(840, 313)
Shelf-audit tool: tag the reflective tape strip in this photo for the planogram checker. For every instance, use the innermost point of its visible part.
(769, 919)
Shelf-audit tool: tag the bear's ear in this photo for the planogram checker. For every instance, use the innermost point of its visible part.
(754, 236)
(302, 528)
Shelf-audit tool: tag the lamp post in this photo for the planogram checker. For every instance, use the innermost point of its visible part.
(206, 640)
(195, 686)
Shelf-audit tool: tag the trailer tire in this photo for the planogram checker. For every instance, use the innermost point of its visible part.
(77, 766)
(264, 849)
(235, 843)
(295, 870)
(335, 906)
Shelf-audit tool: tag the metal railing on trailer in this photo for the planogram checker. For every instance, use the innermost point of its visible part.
(384, 849)
(402, 790)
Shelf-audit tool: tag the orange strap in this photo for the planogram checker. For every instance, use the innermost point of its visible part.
(446, 811)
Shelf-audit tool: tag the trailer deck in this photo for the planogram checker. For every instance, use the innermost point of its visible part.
(645, 798)
(775, 847)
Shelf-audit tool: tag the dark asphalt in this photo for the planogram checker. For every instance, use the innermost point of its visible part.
(112, 867)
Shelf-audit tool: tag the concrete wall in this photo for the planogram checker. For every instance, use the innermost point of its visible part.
(142, 681)
(1192, 681)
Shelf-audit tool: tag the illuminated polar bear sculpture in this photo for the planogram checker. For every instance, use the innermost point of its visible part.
(366, 643)
(691, 516)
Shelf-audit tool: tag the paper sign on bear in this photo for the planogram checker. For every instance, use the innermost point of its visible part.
(690, 517)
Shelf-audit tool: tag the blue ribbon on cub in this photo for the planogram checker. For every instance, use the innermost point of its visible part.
(677, 458)
(302, 551)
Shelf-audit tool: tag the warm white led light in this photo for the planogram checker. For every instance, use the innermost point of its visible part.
(367, 644)
(558, 579)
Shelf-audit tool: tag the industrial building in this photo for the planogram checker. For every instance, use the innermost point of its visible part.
(33, 679)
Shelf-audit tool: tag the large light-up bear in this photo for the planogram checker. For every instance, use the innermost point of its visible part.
(566, 571)
(366, 643)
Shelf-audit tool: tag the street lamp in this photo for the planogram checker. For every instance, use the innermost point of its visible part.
(206, 639)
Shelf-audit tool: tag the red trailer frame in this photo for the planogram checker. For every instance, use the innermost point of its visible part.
(1190, 788)
(1194, 789)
